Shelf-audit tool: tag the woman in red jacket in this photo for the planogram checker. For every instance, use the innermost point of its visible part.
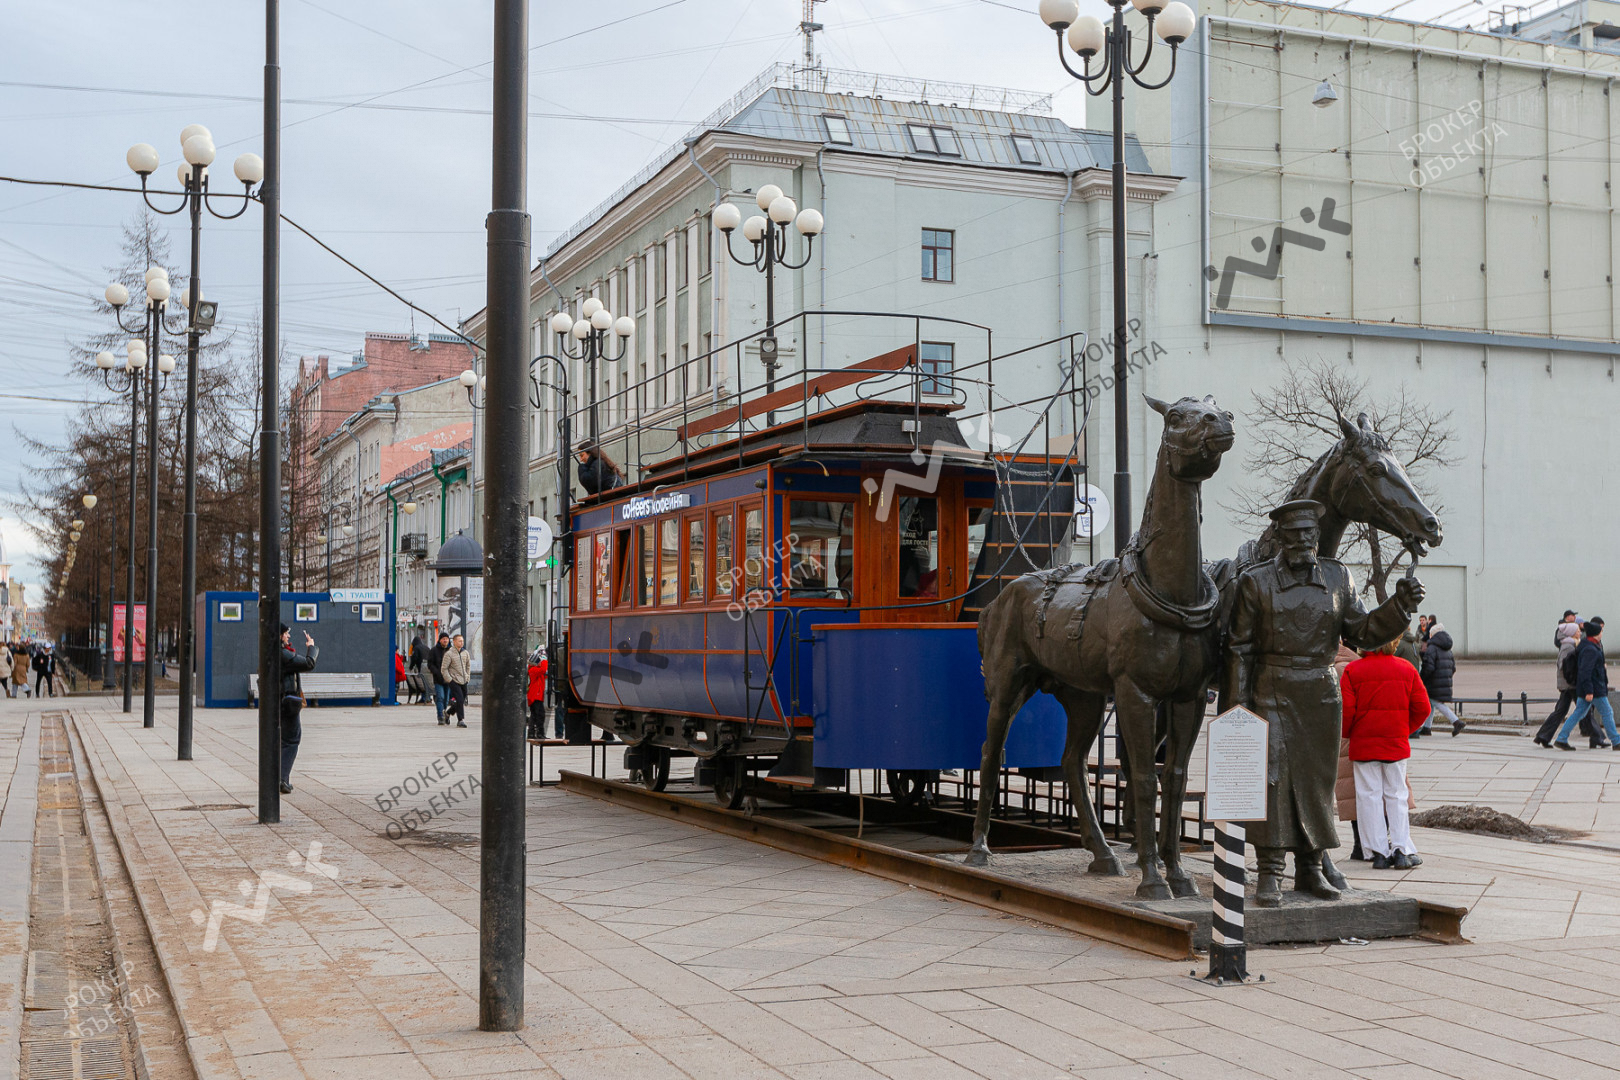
(1384, 702)
(537, 694)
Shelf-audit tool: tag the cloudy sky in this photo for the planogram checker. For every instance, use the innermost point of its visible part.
(387, 144)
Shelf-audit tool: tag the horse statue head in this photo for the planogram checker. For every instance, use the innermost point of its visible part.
(1197, 432)
(1370, 485)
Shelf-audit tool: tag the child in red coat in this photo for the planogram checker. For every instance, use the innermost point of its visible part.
(1384, 702)
(537, 694)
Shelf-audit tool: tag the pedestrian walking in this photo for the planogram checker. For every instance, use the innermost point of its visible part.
(45, 671)
(1384, 703)
(19, 668)
(1591, 686)
(1567, 644)
(1439, 668)
(5, 668)
(415, 657)
(292, 700)
(537, 694)
(457, 669)
(441, 690)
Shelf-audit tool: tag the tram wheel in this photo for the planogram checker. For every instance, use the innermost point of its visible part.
(906, 786)
(655, 767)
(728, 782)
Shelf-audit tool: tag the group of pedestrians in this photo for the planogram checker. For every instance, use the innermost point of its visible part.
(1583, 681)
(445, 671)
(17, 659)
(1437, 667)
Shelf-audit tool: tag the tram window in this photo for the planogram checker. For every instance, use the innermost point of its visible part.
(723, 578)
(822, 557)
(582, 574)
(604, 572)
(694, 558)
(624, 564)
(649, 565)
(978, 531)
(753, 549)
(669, 562)
(919, 548)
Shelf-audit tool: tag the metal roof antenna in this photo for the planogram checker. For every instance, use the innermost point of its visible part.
(808, 27)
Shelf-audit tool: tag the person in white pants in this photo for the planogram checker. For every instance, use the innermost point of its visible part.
(1384, 703)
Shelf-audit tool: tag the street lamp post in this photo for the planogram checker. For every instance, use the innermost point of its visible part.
(138, 351)
(326, 538)
(105, 643)
(769, 235)
(1088, 37)
(197, 144)
(591, 331)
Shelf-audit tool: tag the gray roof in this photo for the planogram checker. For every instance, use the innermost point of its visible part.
(787, 102)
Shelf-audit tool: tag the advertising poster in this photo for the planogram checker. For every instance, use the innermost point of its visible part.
(118, 634)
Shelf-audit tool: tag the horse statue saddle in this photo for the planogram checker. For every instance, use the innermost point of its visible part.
(1088, 579)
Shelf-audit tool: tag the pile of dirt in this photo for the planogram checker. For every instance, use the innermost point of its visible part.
(1482, 819)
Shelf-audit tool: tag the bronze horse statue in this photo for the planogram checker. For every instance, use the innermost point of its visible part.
(1144, 628)
(1358, 479)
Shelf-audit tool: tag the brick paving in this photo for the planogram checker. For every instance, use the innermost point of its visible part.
(656, 949)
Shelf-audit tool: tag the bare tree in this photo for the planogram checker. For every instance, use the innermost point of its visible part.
(1294, 422)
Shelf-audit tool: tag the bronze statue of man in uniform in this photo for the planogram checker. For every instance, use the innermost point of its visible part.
(1289, 617)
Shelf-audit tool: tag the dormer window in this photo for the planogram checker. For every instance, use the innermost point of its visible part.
(837, 129)
(1025, 150)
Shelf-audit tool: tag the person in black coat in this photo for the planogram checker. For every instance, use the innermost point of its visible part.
(441, 692)
(292, 700)
(597, 472)
(45, 671)
(1591, 687)
(1438, 669)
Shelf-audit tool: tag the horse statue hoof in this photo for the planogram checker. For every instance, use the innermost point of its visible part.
(1184, 887)
(1153, 890)
(978, 856)
(1106, 866)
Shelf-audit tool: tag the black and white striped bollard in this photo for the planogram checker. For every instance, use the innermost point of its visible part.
(1228, 958)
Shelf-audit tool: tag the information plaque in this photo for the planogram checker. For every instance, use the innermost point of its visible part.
(1236, 743)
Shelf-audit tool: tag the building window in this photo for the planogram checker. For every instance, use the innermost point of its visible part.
(934, 140)
(935, 359)
(1025, 150)
(681, 245)
(938, 255)
(661, 266)
(638, 268)
(837, 130)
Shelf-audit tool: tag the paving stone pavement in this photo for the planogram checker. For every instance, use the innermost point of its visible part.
(657, 949)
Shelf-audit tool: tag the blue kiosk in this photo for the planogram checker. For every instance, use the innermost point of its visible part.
(353, 627)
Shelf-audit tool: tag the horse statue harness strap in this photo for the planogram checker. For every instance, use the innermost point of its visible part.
(1199, 616)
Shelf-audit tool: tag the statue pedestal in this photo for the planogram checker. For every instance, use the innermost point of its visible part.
(1301, 918)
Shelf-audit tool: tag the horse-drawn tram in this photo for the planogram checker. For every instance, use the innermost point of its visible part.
(798, 601)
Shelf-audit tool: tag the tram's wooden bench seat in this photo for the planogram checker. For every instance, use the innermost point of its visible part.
(335, 685)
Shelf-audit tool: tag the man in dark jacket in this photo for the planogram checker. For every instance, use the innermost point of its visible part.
(1591, 687)
(292, 700)
(435, 657)
(45, 670)
(1438, 669)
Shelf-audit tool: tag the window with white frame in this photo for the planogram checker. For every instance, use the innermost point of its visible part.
(1025, 150)
(837, 129)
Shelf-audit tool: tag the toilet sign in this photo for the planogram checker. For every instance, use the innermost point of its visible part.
(1091, 511)
(1236, 744)
(539, 537)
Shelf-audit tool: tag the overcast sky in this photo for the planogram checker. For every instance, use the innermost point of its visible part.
(386, 143)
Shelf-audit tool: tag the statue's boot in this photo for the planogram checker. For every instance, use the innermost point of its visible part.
(1331, 872)
(1308, 876)
(1268, 889)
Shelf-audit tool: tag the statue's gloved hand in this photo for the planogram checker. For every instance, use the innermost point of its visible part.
(1409, 593)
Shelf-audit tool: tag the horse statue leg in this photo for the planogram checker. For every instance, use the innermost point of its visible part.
(1006, 698)
(1186, 717)
(1134, 712)
(1085, 710)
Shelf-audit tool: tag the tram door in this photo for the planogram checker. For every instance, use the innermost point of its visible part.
(913, 551)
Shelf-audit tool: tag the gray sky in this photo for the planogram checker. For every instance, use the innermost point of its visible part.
(386, 142)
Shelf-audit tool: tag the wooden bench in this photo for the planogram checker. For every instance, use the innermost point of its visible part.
(339, 685)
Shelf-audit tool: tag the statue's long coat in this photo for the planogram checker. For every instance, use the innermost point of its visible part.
(1286, 628)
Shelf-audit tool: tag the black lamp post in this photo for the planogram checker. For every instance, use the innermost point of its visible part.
(104, 627)
(197, 144)
(326, 538)
(769, 235)
(1088, 37)
(138, 372)
(591, 331)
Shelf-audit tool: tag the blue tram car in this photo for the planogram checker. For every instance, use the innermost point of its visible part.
(805, 598)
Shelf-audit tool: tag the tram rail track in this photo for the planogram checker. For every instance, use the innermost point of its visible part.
(1121, 924)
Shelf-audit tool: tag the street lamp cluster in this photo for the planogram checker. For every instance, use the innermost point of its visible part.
(197, 148)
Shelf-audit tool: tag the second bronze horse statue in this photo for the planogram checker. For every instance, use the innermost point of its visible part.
(1144, 628)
